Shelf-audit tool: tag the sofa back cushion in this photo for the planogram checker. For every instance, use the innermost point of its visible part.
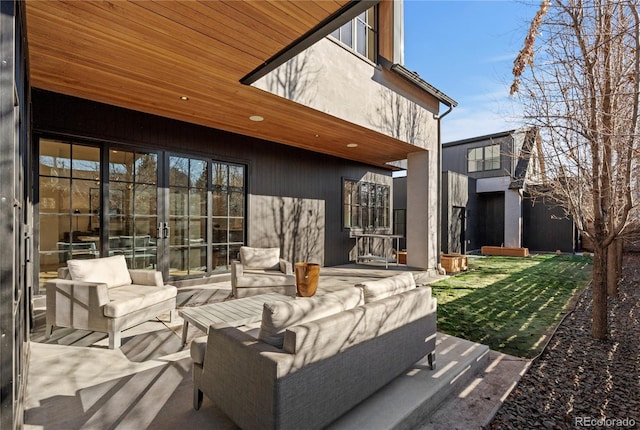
(260, 258)
(322, 339)
(108, 270)
(280, 315)
(376, 290)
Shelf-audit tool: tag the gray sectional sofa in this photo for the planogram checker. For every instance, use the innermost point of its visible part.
(313, 359)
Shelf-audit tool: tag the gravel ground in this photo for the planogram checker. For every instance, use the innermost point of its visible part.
(578, 382)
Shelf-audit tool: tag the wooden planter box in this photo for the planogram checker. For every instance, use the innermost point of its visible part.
(507, 252)
(454, 263)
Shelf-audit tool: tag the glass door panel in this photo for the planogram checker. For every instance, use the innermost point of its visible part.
(133, 208)
(229, 197)
(188, 216)
(69, 175)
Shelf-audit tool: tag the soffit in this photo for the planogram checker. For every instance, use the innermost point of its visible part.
(145, 55)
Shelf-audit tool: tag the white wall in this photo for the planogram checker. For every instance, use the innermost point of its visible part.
(422, 212)
(512, 219)
(329, 78)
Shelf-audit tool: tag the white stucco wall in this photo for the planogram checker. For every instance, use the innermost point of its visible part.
(492, 185)
(512, 219)
(329, 78)
(422, 211)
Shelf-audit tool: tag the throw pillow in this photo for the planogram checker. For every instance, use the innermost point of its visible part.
(376, 290)
(260, 258)
(280, 315)
(109, 270)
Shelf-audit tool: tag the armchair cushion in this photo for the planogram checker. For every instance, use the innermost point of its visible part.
(280, 315)
(260, 258)
(376, 290)
(112, 271)
(127, 299)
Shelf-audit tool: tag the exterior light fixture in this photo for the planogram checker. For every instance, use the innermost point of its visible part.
(256, 118)
(352, 145)
(184, 98)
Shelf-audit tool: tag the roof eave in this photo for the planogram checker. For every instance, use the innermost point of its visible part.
(415, 79)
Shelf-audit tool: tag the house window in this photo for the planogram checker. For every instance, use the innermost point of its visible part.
(483, 158)
(400, 222)
(359, 34)
(366, 205)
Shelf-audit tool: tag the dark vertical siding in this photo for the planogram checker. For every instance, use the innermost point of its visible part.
(471, 231)
(545, 227)
(455, 199)
(454, 157)
(490, 220)
(274, 170)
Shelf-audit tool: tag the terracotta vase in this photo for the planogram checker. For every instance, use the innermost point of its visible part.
(307, 278)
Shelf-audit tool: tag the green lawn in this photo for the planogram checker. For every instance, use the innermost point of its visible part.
(511, 304)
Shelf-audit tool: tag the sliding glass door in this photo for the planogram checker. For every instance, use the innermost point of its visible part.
(182, 215)
(206, 215)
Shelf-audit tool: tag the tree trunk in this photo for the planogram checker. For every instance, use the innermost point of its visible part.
(612, 269)
(599, 285)
(619, 255)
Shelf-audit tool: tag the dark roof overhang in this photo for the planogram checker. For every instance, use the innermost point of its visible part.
(416, 80)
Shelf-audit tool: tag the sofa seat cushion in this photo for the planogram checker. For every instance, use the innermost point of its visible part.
(380, 289)
(112, 271)
(264, 278)
(260, 258)
(280, 315)
(130, 298)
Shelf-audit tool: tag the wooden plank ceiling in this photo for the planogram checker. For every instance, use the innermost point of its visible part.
(146, 55)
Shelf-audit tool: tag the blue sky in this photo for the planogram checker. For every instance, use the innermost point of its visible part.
(466, 48)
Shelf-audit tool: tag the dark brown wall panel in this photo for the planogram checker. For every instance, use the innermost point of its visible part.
(275, 170)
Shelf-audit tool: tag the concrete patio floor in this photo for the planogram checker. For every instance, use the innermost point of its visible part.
(75, 382)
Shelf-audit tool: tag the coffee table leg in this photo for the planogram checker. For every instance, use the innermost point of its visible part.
(185, 327)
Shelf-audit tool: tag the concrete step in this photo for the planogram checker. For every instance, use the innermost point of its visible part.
(405, 402)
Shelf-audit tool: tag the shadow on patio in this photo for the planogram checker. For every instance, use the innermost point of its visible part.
(76, 382)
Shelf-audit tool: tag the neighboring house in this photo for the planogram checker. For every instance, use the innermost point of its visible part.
(487, 199)
(175, 132)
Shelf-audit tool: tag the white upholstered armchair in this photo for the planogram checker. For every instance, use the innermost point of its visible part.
(103, 295)
(261, 271)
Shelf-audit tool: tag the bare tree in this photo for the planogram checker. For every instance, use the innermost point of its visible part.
(582, 93)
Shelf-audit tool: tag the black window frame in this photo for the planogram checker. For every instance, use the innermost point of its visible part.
(365, 205)
(348, 34)
(487, 163)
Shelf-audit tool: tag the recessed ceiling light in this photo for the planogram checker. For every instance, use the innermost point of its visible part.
(184, 98)
(256, 118)
(352, 145)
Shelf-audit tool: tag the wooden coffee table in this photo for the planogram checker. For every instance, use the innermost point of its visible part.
(236, 312)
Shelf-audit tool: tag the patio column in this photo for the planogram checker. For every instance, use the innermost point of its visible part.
(422, 197)
(512, 218)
